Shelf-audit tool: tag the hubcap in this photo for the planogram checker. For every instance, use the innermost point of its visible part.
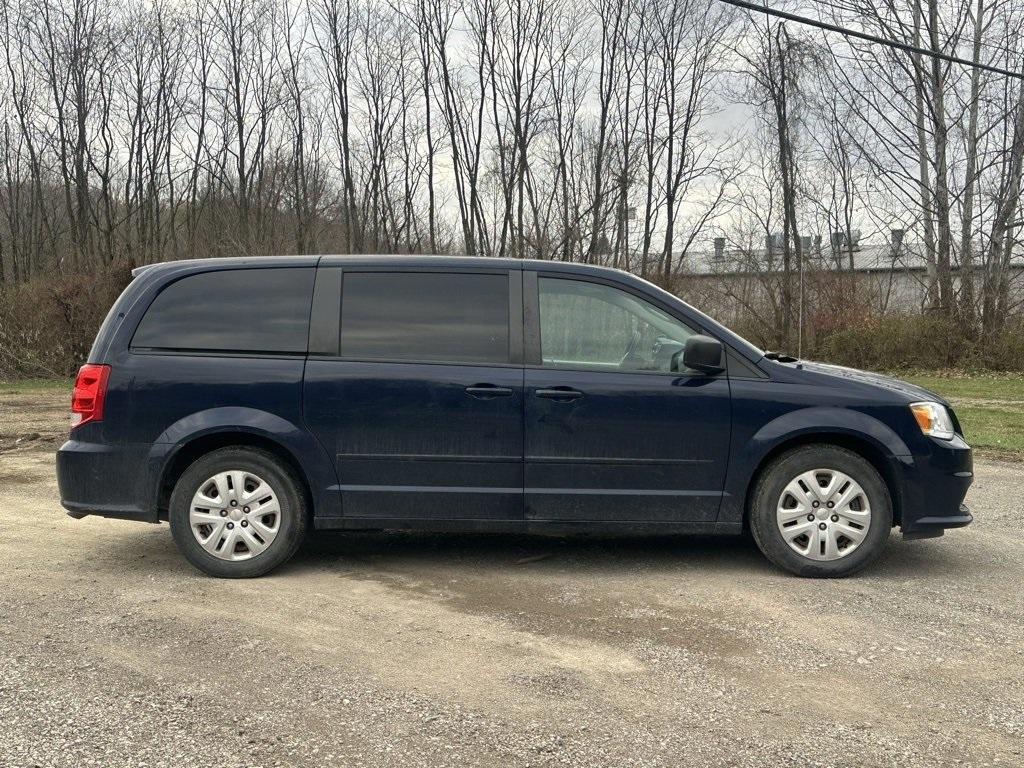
(235, 515)
(823, 514)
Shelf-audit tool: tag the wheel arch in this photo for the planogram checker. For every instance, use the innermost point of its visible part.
(199, 446)
(867, 449)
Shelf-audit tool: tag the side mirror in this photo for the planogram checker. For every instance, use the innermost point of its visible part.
(704, 354)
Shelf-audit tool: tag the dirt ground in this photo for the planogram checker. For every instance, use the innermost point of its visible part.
(431, 650)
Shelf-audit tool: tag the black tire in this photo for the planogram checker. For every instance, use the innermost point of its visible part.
(769, 489)
(286, 486)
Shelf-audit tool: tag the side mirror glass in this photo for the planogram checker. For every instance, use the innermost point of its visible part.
(704, 354)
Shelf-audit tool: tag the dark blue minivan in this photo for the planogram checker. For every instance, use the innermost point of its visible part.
(247, 401)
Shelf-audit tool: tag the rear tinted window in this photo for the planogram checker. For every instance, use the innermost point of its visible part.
(425, 316)
(234, 310)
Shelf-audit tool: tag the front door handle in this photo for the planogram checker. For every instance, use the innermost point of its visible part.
(561, 394)
(487, 391)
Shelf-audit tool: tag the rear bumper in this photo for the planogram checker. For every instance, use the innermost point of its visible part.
(934, 486)
(104, 480)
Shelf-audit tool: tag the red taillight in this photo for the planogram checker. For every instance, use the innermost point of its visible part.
(89, 395)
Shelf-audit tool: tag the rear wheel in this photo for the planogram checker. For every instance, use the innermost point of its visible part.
(237, 512)
(821, 511)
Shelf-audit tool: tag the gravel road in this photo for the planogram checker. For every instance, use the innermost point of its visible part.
(432, 650)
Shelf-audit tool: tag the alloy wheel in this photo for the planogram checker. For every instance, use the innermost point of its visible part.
(823, 514)
(235, 515)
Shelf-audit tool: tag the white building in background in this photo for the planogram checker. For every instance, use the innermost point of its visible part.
(892, 277)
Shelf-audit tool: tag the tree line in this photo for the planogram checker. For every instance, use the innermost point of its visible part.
(629, 133)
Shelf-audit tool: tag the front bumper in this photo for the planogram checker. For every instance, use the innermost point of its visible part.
(934, 485)
(104, 480)
(930, 527)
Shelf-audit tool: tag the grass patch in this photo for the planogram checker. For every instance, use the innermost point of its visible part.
(990, 407)
(953, 385)
(35, 385)
(993, 428)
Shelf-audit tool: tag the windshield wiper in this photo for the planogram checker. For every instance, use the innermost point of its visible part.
(780, 357)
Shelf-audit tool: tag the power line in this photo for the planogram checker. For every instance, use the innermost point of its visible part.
(870, 38)
(838, 5)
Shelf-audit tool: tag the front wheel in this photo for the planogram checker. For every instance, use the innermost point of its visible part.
(237, 513)
(821, 511)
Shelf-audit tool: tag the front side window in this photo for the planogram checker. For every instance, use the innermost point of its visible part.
(231, 310)
(590, 325)
(425, 316)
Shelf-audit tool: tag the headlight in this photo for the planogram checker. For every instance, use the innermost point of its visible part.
(933, 419)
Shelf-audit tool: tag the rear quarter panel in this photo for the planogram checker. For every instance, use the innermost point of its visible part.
(169, 400)
(157, 402)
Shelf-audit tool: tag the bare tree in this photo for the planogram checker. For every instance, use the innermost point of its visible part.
(779, 66)
(604, 132)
